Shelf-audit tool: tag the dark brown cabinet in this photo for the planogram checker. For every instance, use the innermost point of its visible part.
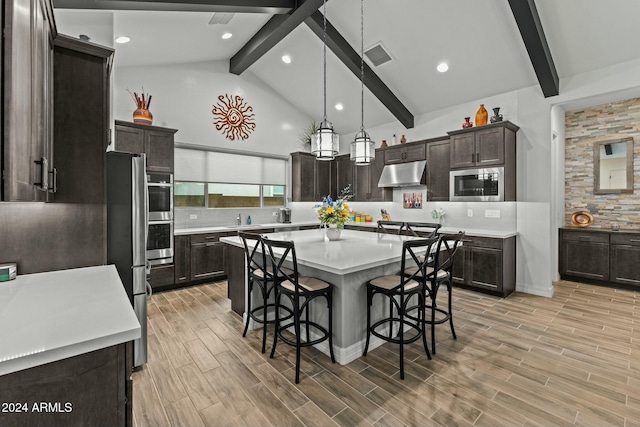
(403, 153)
(486, 264)
(366, 182)
(343, 173)
(600, 256)
(154, 141)
(161, 276)
(484, 146)
(27, 52)
(182, 259)
(208, 256)
(438, 158)
(311, 179)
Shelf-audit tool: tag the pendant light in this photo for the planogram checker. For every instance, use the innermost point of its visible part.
(324, 143)
(362, 147)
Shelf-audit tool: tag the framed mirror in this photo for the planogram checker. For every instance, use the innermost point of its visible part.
(613, 166)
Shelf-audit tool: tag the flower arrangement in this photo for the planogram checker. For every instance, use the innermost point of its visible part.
(437, 214)
(335, 211)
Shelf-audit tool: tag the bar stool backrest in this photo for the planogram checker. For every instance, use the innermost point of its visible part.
(411, 251)
(382, 227)
(279, 272)
(426, 229)
(256, 260)
(448, 245)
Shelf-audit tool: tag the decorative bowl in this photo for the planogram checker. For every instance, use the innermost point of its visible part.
(581, 219)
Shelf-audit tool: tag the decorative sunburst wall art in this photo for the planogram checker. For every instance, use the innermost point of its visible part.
(233, 117)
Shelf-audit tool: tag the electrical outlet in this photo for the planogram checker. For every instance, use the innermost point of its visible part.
(492, 213)
(193, 216)
(274, 213)
(469, 212)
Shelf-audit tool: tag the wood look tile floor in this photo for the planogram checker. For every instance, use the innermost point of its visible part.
(520, 361)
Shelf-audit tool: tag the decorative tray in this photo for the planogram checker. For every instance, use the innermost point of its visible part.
(581, 219)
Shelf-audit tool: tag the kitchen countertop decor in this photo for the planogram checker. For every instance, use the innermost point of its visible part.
(46, 317)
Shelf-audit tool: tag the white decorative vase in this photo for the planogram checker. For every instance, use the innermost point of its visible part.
(333, 232)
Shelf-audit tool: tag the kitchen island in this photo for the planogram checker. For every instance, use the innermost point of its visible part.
(348, 264)
(65, 353)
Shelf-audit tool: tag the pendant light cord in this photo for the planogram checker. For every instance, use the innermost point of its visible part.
(324, 61)
(362, 65)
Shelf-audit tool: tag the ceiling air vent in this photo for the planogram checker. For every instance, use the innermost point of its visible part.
(377, 54)
(221, 18)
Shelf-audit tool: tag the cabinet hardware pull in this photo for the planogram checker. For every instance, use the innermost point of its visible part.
(634, 240)
(210, 237)
(44, 169)
(54, 180)
(211, 244)
(477, 157)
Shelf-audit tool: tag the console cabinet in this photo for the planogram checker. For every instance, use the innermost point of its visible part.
(600, 256)
(486, 264)
(154, 141)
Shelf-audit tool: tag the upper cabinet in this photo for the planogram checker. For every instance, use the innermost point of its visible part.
(27, 52)
(483, 146)
(438, 158)
(154, 141)
(311, 178)
(342, 171)
(366, 182)
(403, 153)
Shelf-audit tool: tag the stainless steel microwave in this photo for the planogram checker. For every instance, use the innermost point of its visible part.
(477, 185)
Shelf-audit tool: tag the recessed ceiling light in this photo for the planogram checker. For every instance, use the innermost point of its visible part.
(226, 36)
(286, 59)
(339, 107)
(123, 39)
(442, 67)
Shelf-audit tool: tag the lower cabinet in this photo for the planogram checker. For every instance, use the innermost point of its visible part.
(161, 276)
(600, 256)
(208, 256)
(182, 259)
(91, 389)
(486, 264)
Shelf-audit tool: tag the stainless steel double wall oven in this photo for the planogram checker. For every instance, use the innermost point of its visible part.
(160, 230)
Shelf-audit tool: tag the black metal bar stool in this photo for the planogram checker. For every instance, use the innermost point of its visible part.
(423, 229)
(400, 289)
(383, 227)
(260, 273)
(300, 291)
(438, 273)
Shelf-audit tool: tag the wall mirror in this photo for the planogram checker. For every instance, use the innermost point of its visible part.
(613, 166)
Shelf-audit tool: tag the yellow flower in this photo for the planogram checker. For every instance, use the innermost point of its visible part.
(329, 210)
(345, 206)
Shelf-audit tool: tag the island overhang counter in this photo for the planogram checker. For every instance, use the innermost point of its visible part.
(348, 264)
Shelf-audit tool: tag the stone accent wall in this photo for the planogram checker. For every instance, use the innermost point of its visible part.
(582, 129)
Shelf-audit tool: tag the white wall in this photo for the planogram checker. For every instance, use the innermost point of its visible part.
(184, 95)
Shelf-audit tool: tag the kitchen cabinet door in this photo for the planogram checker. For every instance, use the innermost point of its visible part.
(393, 155)
(362, 180)
(303, 177)
(625, 264)
(377, 194)
(463, 150)
(208, 260)
(161, 276)
(484, 268)
(129, 139)
(585, 258)
(490, 147)
(438, 158)
(182, 259)
(323, 179)
(158, 146)
(414, 152)
(343, 173)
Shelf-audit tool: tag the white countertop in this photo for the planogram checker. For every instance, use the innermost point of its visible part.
(355, 251)
(46, 317)
(234, 228)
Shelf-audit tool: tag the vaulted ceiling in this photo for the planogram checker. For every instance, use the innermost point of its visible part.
(480, 41)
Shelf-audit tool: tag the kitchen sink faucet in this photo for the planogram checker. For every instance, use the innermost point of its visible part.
(239, 220)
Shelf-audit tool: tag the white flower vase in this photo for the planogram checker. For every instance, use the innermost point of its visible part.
(333, 232)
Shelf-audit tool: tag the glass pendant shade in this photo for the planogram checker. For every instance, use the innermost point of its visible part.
(325, 142)
(362, 149)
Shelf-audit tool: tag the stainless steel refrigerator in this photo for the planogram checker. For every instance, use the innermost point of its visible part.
(127, 222)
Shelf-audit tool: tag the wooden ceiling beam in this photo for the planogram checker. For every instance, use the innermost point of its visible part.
(228, 6)
(526, 15)
(276, 29)
(351, 59)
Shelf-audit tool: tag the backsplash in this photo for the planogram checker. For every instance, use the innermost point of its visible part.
(582, 129)
(206, 217)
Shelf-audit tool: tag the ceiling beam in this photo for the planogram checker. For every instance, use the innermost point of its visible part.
(526, 15)
(276, 29)
(228, 6)
(351, 59)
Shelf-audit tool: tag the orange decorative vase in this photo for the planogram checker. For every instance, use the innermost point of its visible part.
(481, 116)
(142, 116)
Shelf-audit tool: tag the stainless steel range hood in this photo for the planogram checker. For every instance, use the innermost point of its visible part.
(402, 174)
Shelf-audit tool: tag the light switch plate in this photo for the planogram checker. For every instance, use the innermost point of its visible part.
(193, 216)
(492, 213)
(469, 212)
